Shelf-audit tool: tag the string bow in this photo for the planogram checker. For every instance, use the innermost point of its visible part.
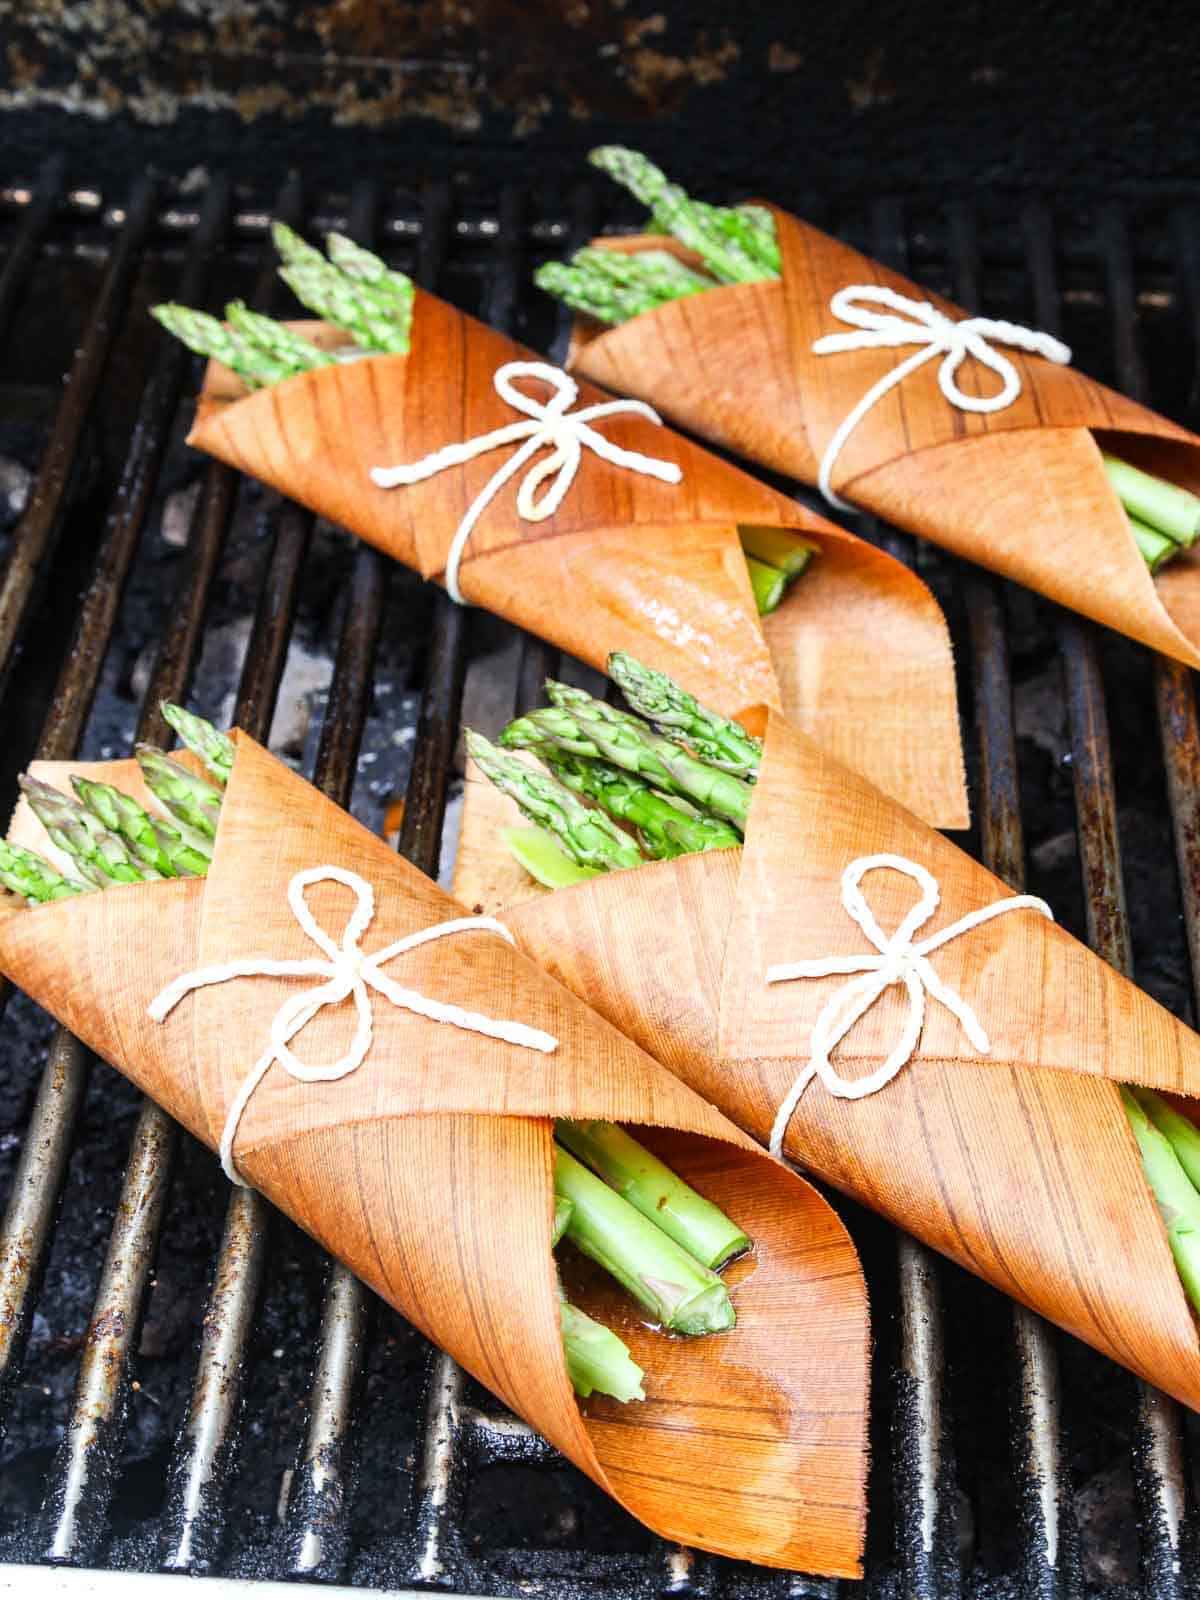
(899, 960)
(348, 971)
(552, 426)
(917, 322)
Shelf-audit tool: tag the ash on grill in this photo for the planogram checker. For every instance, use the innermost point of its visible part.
(184, 1382)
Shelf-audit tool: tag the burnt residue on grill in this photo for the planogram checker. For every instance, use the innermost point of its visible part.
(185, 1382)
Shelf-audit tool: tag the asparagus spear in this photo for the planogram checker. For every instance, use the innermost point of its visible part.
(213, 747)
(100, 854)
(672, 1286)
(702, 1228)
(1178, 1201)
(1156, 547)
(663, 828)
(1149, 499)
(654, 272)
(154, 842)
(726, 257)
(588, 837)
(580, 725)
(357, 262)
(598, 1362)
(254, 365)
(25, 873)
(1180, 1130)
(290, 348)
(369, 311)
(778, 548)
(189, 798)
(768, 585)
(680, 717)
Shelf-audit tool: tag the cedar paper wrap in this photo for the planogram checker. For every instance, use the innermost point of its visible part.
(1022, 491)
(1020, 1165)
(649, 567)
(429, 1169)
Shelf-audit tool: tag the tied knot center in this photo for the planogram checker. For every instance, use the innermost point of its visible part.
(551, 425)
(900, 960)
(903, 321)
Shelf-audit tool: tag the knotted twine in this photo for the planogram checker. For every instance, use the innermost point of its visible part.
(348, 970)
(553, 426)
(900, 960)
(920, 323)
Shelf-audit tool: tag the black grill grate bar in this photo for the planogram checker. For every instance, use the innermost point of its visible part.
(36, 531)
(39, 213)
(1049, 1543)
(81, 1480)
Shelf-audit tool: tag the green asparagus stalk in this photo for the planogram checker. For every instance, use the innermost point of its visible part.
(588, 836)
(725, 256)
(254, 365)
(663, 828)
(670, 1284)
(700, 1227)
(680, 717)
(1178, 1201)
(154, 842)
(598, 1362)
(213, 747)
(190, 799)
(778, 548)
(25, 873)
(768, 584)
(1156, 547)
(100, 854)
(1149, 499)
(370, 310)
(276, 338)
(358, 262)
(580, 725)
(594, 295)
(654, 272)
(537, 850)
(1180, 1130)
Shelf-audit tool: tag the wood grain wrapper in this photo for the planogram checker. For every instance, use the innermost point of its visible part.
(429, 1169)
(649, 567)
(1022, 491)
(1019, 1164)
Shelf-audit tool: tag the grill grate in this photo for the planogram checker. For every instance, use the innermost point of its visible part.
(309, 1434)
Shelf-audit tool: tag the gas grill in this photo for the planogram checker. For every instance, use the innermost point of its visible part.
(186, 1385)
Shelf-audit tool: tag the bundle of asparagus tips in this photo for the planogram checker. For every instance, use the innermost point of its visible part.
(737, 244)
(350, 288)
(616, 1203)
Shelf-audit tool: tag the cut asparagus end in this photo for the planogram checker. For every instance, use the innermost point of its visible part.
(537, 851)
(768, 583)
(1177, 1199)
(1163, 506)
(1156, 547)
(662, 1277)
(598, 1362)
(700, 1227)
(778, 548)
(1180, 1130)
(562, 1215)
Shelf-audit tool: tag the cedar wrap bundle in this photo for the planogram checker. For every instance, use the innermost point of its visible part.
(429, 1169)
(1020, 1164)
(1022, 490)
(650, 567)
